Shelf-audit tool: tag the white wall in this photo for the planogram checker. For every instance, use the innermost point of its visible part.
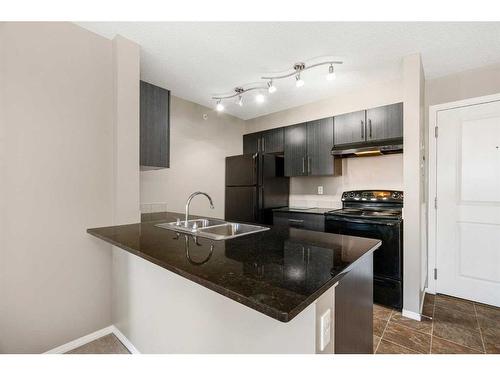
(198, 149)
(380, 172)
(56, 178)
(414, 183)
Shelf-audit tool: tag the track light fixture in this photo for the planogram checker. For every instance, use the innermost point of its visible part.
(298, 69)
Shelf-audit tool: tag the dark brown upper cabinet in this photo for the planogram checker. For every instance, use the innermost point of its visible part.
(251, 143)
(350, 128)
(319, 145)
(384, 122)
(296, 150)
(154, 126)
(372, 125)
(268, 142)
(307, 149)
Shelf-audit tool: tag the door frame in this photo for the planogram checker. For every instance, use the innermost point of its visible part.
(432, 183)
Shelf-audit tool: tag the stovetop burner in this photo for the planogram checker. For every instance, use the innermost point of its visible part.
(371, 205)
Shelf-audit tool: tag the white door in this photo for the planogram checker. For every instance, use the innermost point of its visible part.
(468, 203)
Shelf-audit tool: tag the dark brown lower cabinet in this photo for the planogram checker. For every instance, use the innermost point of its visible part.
(354, 310)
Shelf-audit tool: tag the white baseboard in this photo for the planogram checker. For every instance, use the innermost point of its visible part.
(94, 336)
(429, 291)
(411, 315)
(125, 341)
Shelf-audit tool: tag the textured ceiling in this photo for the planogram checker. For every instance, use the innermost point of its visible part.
(196, 60)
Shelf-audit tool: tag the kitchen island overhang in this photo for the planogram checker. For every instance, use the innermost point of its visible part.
(279, 272)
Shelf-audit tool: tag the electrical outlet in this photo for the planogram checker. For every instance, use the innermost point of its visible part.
(325, 324)
(320, 190)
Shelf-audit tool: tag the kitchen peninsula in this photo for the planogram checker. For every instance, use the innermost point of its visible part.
(283, 290)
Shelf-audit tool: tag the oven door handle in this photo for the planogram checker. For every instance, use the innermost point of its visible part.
(362, 221)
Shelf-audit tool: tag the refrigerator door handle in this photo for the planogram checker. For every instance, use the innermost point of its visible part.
(303, 165)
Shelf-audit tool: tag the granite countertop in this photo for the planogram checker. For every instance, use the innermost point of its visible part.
(278, 272)
(313, 210)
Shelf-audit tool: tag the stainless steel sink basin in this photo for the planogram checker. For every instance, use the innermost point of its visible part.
(229, 230)
(193, 225)
(213, 228)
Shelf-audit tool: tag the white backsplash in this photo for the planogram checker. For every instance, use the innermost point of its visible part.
(149, 208)
(358, 173)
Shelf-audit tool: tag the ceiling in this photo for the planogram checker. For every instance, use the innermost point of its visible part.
(196, 60)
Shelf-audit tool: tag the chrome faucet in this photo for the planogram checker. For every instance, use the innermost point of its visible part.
(188, 202)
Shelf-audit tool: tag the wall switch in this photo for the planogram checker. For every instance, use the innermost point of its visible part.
(320, 190)
(325, 325)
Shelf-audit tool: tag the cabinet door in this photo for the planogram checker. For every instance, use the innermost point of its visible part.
(272, 141)
(319, 146)
(350, 128)
(296, 150)
(154, 126)
(384, 122)
(251, 143)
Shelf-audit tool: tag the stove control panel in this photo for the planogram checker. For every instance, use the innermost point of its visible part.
(373, 196)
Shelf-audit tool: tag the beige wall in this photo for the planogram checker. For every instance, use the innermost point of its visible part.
(56, 175)
(463, 85)
(358, 173)
(198, 149)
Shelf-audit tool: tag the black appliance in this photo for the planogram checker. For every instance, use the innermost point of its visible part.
(376, 214)
(255, 185)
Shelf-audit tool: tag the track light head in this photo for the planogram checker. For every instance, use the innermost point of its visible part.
(331, 73)
(219, 107)
(240, 101)
(259, 98)
(270, 87)
(298, 81)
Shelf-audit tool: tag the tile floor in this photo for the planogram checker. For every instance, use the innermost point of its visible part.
(108, 344)
(450, 326)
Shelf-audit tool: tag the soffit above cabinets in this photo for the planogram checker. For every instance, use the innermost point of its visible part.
(198, 60)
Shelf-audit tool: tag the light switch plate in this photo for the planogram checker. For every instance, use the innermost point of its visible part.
(320, 190)
(325, 325)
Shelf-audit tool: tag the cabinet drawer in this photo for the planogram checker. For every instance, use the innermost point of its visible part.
(297, 220)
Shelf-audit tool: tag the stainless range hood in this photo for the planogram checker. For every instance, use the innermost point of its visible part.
(368, 149)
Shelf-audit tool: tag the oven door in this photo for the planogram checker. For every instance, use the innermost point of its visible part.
(388, 258)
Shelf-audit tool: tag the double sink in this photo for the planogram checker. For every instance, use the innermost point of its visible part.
(213, 228)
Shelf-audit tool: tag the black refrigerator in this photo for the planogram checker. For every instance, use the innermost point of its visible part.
(255, 184)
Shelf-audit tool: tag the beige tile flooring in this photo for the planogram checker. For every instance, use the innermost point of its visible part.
(450, 326)
(108, 344)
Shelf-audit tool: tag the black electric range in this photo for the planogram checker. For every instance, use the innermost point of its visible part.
(376, 214)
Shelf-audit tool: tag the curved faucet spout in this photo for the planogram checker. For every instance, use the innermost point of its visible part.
(188, 202)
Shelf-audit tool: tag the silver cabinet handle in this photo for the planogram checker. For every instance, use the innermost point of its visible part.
(258, 145)
(303, 165)
(263, 145)
(362, 129)
(370, 125)
(308, 165)
(296, 221)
